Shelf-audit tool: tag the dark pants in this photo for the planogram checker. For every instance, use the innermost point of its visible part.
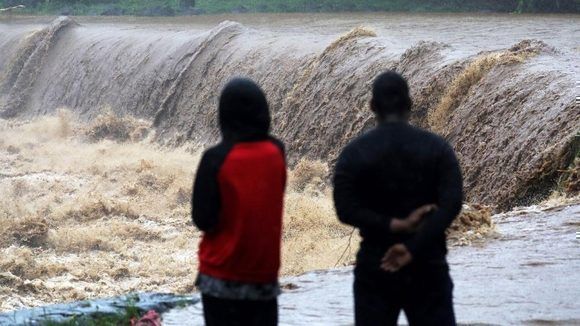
(224, 312)
(423, 293)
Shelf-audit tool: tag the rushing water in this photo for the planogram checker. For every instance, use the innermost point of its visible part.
(485, 31)
(528, 274)
(514, 122)
(514, 127)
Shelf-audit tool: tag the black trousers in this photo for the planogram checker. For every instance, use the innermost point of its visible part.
(424, 293)
(225, 312)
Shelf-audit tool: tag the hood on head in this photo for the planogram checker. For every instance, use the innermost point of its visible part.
(243, 111)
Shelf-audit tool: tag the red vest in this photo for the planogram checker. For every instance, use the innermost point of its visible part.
(245, 246)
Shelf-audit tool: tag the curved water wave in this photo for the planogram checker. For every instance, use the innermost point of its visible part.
(510, 113)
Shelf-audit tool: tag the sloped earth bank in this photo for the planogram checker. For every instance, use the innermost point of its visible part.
(500, 88)
(527, 275)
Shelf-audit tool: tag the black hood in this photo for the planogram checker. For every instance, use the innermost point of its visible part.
(243, 111)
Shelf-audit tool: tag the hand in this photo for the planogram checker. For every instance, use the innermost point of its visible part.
(416, 217)
(413, 221)
(397, 257)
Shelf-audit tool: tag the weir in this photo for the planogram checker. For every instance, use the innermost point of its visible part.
(509, 111)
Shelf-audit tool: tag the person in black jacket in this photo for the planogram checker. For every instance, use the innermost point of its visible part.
(401, 187)
(238, 202)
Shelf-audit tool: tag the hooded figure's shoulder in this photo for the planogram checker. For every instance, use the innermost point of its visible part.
(278, 144)
(216, 154)
(218, 149)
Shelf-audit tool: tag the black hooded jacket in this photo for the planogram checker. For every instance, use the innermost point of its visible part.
(238, 192)
(243, 117)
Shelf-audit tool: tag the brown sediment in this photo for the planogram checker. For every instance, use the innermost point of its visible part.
(570, 178)
(95, 227)
(110, 126)
(474, 223)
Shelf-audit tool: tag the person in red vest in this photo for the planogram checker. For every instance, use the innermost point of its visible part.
(238, 202)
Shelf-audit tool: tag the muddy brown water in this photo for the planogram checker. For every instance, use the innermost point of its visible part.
(515, 127)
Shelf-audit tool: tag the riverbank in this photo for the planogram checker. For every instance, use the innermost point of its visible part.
(191, 7)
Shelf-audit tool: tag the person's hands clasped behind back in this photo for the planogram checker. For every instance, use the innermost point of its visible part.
(380, 177)
(398, 256)
(413, 221)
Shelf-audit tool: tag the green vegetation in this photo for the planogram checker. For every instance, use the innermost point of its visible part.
(123, 318)
(185, 7)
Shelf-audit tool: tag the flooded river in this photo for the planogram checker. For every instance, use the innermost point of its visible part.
(493, 85)
(501, 88)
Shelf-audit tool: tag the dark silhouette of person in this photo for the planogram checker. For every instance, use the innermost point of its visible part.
(237, 203)
(401, 187)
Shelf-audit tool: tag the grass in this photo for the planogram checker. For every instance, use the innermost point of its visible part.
(131, 312)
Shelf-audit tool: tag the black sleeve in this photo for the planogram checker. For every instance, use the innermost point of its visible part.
(205, 202)
(449, 202)
(349, 208)
(280, 145)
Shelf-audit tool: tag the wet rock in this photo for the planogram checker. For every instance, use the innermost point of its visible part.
(289, 286)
